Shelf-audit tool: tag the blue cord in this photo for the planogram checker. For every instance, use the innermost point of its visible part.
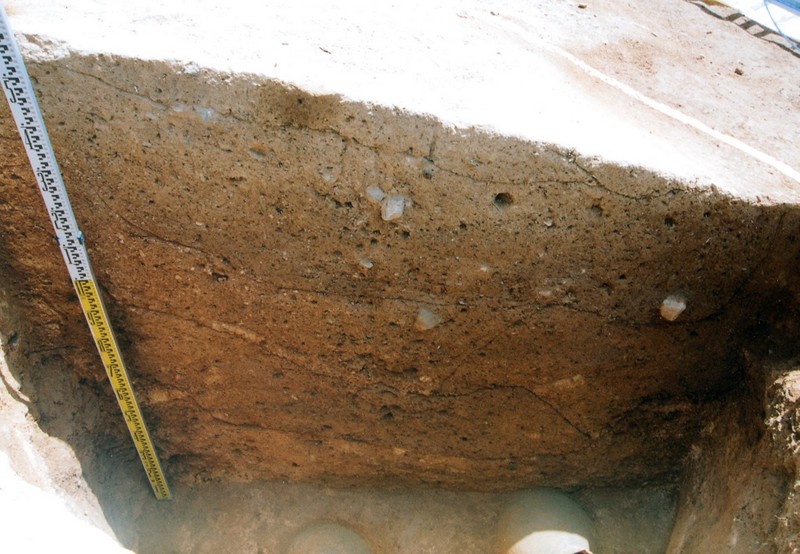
(792, 5)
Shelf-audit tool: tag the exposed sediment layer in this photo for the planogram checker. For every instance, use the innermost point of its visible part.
(740, 490)
(269, 310)
(313, 288)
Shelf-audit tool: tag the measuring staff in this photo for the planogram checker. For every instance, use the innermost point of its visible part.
(22, 101)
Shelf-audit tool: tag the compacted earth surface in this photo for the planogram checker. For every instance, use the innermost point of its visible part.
(384, 266)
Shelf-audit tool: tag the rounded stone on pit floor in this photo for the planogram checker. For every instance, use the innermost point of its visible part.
(327, 538)
(543, 521)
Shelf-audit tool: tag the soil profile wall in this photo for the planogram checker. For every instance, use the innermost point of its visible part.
(308, 288)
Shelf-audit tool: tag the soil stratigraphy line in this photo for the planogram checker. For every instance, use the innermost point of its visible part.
(239, 332)
(121, 90)
(491, 388)
(172, 242)
(361, 296)
(550, 405)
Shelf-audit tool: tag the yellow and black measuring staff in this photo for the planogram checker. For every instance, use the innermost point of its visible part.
(22, 101)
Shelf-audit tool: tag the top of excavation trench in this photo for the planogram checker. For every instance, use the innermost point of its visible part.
(667, 88)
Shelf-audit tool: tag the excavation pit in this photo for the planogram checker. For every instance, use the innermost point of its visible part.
(371, 286)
